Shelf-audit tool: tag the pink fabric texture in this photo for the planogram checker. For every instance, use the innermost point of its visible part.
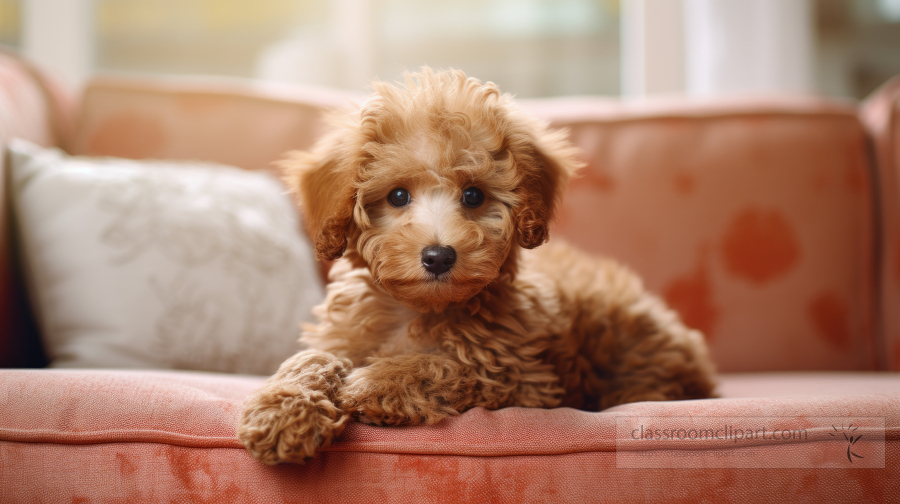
(123, 436)
(736, 209)
(242, 126)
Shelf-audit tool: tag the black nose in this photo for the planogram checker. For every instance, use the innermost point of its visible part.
(437, 260)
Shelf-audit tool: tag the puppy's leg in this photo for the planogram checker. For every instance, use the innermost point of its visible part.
(409, 390)
(645, 353)
(625, 344)
(424, 388)
(659, 362)
(294, 414)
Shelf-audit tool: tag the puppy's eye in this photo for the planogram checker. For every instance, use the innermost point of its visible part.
(399, 197)
(473, 197)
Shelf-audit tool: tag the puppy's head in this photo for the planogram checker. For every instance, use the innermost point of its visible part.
(431, 184)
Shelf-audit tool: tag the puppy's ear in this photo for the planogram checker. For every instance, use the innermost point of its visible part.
(545, 161)
(322, 182)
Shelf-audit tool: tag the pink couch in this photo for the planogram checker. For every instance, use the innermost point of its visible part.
(771, 224)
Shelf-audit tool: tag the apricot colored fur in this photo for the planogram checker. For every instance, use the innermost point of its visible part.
(506, 326)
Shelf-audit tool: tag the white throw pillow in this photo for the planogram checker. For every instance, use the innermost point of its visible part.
(161, 264)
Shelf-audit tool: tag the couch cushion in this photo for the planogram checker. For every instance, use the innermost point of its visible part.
(240, 123)
(752, 217)
(881, 114)
(165, 436)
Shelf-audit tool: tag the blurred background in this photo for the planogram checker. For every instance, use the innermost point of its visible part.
(532, 48)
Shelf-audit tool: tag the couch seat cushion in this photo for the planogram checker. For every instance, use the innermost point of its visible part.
(143, 436)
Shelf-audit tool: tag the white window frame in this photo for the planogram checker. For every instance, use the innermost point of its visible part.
(715, 47)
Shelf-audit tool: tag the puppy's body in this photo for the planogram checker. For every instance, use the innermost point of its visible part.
(575, 317)
(448, 170)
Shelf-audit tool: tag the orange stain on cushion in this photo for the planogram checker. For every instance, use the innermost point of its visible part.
(597, 179)
(760, 245)
(439, 475)
(197, 479)
(691, 296)
(126, 466)
(684, 183)
(828, 315)
(127, 135)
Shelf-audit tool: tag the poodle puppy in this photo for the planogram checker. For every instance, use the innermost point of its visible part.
(433, 195)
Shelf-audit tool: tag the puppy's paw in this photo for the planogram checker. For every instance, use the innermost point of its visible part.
(276, 427)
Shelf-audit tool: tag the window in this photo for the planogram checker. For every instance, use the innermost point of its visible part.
(858, 45)
(9, 23)
(529, 47)
(216, 37)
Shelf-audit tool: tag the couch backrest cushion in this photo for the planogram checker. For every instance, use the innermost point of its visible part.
(881, 114)
(752, 218)
(34, 108)
(242, 124)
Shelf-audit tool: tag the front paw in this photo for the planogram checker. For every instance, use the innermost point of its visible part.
(277, 427)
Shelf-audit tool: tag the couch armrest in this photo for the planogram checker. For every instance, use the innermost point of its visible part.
(881, 115)
(32, 107)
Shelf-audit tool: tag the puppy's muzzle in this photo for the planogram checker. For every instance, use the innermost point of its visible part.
(437, 259)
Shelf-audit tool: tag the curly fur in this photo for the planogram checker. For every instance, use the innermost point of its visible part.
(505, 326)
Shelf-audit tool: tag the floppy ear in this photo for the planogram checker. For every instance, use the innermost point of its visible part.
(322, 182)
(545, 161)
